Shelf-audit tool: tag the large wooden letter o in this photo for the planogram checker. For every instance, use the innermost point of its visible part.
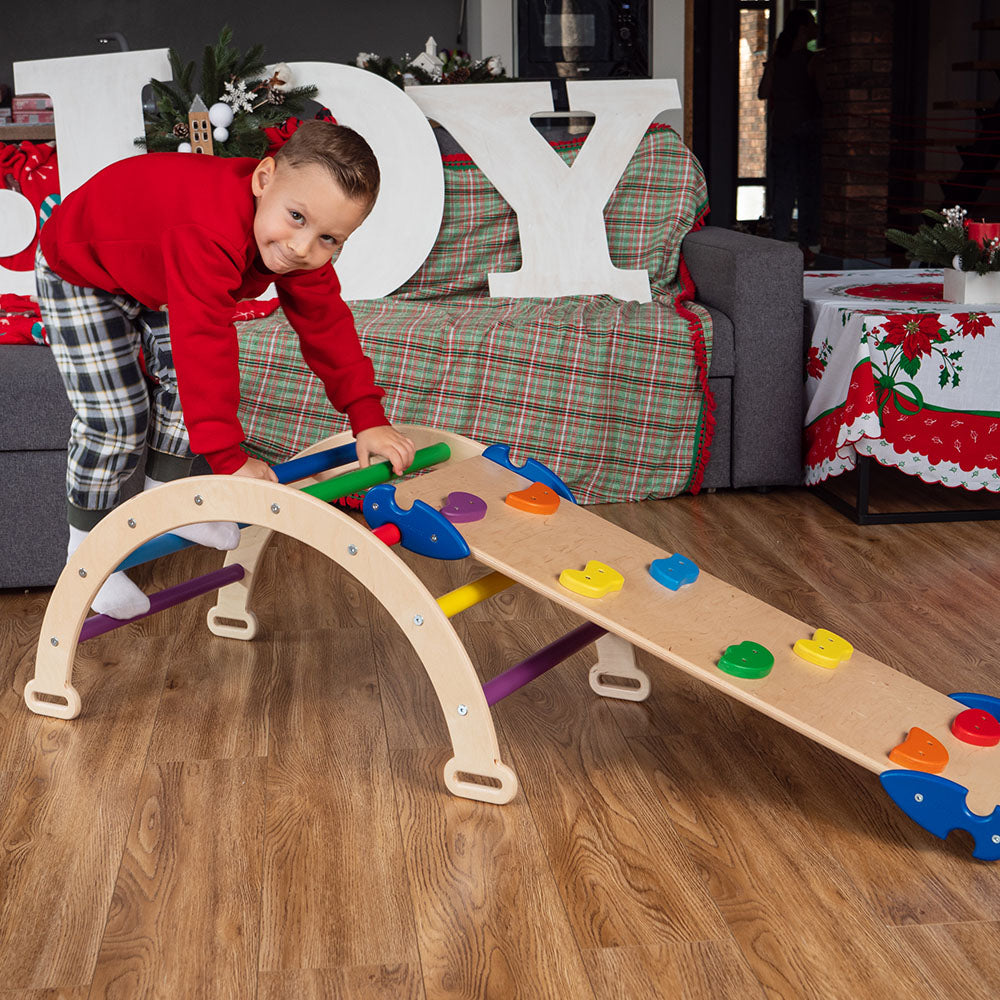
(394, 240)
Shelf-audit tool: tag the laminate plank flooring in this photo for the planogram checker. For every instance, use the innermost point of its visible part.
(268, 820)
(335, 893)
(665, 972)
(197, 832)
(215, 697)
(850, 812)
(957, 959)
(63, 825)
(400, 982)
(775, 883)
(79, 993)
(483, 889)
(620, 868)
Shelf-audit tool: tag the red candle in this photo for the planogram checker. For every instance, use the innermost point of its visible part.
(980, 231)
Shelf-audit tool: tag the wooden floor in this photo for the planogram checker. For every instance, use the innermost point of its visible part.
(268, 820)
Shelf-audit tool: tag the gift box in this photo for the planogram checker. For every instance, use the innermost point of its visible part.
(33, 117)
(31, 102)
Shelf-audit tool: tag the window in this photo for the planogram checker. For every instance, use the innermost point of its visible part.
(754, 44)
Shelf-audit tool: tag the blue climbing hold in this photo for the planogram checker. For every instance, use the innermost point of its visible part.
(674, 572)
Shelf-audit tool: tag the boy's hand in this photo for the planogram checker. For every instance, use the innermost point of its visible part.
(387, 442)
(254, 468)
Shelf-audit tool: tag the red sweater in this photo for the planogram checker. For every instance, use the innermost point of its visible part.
(177, 230)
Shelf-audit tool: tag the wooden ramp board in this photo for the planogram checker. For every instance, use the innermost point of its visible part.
(861, 709)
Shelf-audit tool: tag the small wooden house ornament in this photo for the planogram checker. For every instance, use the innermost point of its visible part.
(200, 127)
(429, 60)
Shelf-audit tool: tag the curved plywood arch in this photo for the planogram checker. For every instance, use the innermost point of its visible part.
(273, 507)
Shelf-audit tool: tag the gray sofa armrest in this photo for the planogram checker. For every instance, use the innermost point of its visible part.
(757, 283)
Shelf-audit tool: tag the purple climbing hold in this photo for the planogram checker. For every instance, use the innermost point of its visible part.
(460, 508)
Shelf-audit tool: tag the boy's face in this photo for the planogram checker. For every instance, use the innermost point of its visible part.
(303, 216)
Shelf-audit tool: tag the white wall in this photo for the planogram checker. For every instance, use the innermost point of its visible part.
(490, 30)
(334, 30)
(667, 48)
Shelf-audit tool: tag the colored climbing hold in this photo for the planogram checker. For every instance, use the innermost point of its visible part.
(594, 580)
(976, 727)
(422, 528)
(532, 469)
(748, 659)
(461, 508)
(535, 499)
(674, 572)
(825, 649)
(920, 752)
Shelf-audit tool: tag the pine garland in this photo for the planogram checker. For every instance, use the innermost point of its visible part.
(224, 73)
(457, 67)
(939, 244)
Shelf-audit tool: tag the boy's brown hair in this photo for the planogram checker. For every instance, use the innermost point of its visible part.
(341, 151)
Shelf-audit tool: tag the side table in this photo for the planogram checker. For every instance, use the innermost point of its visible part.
(895, 374)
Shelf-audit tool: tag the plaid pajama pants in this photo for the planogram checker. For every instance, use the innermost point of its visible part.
(97, 339)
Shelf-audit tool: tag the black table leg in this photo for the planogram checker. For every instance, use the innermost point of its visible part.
(860, 514)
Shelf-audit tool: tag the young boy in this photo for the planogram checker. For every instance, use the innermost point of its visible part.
(196, 234)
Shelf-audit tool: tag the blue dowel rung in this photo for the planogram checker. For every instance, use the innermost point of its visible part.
(321, 461)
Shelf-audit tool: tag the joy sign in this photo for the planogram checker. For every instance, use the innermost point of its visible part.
(559, 208)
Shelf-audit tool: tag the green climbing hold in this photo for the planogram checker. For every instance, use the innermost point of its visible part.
(748, 659)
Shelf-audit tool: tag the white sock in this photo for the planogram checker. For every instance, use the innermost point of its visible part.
(119, 597)
(214, 534)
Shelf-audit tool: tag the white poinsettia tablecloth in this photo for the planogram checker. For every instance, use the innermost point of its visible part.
(898, 374)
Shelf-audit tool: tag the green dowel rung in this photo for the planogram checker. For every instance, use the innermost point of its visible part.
(380, 472)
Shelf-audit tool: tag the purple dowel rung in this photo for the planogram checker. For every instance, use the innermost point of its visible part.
(545, 659)
(99, 624)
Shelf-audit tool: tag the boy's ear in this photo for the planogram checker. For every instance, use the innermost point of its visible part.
(262, 175)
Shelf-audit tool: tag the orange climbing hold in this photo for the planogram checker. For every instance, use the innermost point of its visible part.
(535, 499)
(920, 752)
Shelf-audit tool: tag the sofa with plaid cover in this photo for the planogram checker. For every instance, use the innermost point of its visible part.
(699, 388)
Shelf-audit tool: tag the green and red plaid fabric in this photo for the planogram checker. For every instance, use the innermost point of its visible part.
(612, 395)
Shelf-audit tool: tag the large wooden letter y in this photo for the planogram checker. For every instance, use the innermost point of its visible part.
(559, 209)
